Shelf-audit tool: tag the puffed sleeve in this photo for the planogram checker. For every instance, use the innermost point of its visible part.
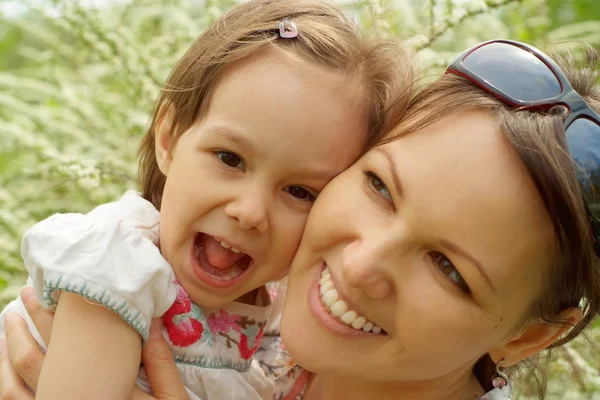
(109, 256)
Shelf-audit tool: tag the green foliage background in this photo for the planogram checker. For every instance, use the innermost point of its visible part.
(79, 79)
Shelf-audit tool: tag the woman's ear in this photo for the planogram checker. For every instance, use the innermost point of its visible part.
(163, 139)
(535, 337)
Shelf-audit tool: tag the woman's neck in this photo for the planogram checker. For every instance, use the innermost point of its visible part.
(334, 388)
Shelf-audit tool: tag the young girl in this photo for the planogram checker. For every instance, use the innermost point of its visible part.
(272, 102)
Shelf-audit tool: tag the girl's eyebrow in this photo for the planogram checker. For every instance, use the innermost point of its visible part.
(393, 170)
(231, 134)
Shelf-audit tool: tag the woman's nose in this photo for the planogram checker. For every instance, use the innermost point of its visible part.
(363, 268)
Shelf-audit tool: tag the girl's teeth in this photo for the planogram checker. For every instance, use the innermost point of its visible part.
(339, 308)
(223, 244)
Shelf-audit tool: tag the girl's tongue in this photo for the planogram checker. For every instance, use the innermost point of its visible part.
(218, 256)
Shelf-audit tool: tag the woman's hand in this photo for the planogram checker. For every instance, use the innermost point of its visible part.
(163, 375)
(21, 359)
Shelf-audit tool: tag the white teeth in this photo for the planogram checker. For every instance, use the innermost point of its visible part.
(234, 273)
(326, 286)
(225, 245)
(330, 297)
(349, 317)
(359, 322)
(339, 308)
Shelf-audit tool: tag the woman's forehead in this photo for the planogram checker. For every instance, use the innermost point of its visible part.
(463, 182)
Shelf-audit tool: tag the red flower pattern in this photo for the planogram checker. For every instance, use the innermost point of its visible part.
(183, 329)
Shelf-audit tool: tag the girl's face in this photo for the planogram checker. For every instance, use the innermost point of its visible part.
(241, 182)
(440, 239)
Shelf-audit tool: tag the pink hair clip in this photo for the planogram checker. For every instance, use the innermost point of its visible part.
(287, 29)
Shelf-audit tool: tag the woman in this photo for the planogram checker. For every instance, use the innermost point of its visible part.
(458, 245)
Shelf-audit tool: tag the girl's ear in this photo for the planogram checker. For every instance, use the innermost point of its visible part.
(535, 337)
(162, 136)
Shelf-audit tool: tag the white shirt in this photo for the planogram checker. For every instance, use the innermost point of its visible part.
(110, 256)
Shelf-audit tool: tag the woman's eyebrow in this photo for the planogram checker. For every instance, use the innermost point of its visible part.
(453, 247)
(447, 244)
(393, 169)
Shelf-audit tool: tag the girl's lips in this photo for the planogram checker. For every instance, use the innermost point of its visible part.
(199, 262)
(325, 319)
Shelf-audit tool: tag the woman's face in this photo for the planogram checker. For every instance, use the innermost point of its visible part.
(439, 238)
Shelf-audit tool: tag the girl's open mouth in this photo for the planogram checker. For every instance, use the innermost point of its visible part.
(219, 264)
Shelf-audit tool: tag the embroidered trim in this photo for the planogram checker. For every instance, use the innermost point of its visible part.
(213, 363)
(102, 296)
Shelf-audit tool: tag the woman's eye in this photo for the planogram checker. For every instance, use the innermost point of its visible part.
(230, 159)
(377, 185)
(301, 193)
(446, 266)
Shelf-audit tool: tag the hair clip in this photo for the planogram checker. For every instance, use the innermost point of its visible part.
(287, 29)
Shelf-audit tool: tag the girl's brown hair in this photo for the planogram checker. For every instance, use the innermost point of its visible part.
(382, 73)
(573, 279)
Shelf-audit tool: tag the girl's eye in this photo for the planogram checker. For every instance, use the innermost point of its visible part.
(448, 269)
(301, 193)
(377, 185)
(230, 159)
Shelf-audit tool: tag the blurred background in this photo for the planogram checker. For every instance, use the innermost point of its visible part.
(78, 80)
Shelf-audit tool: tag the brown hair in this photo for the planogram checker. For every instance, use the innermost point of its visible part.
(573, 279)
(326, 37)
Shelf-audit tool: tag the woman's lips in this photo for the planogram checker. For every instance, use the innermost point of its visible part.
(334, 313)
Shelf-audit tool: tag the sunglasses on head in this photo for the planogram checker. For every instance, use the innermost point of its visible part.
(526, 78)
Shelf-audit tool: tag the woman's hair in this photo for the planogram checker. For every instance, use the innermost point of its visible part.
(573, 278)
(381, 72)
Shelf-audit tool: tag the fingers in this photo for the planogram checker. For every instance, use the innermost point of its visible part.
(23, 351)
(139, 394)
(42, 319)
(12, 386)
(163, 376)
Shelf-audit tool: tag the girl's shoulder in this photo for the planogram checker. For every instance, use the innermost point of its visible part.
(130, 212)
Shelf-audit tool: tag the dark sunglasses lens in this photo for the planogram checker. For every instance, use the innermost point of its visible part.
(583, 141)
(514, 71)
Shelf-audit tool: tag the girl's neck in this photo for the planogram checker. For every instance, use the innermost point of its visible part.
(248, 298)
(334, 388)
